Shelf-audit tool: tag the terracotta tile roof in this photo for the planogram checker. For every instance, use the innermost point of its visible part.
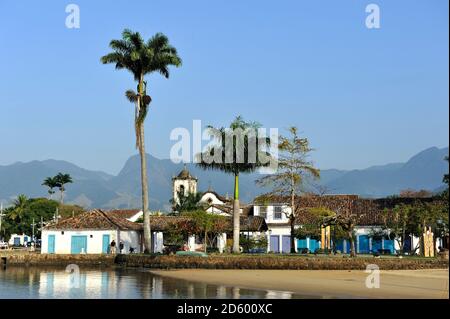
(366, 212)
(124, 213)
(250, 223)
(95, 219)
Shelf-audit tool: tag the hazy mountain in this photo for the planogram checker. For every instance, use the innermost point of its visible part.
(99, 189)
(423, 171)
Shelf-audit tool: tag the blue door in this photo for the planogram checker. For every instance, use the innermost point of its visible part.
(407, 246)
(51, 244)
(389, 244)
(363, 244)
(275, 244)
(105, 244)
(286, 244)
(301, 244)
(313, 245)
(78, 244)
(376, 245)
(340, 245)
(16, 241)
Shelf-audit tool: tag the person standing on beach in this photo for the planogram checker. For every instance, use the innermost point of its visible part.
(113, 247)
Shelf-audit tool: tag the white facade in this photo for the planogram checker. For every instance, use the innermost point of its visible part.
(158, 242)
(62, 241)
(211, 199)
(184, 183)
(276, 216)
(273, 214)
(19, 240)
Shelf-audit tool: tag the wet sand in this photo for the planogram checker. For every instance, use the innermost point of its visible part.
(326, 283)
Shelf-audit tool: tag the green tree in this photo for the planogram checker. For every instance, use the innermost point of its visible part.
(397, 223)
(414, 219)
(17, 213)
(60, 181)
(293, 166)
(141, 58)
(238, 150)
(205, 223)
(186, 202)
(51, 183)
(27, 211)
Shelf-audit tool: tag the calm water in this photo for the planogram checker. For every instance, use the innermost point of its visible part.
(40, 282)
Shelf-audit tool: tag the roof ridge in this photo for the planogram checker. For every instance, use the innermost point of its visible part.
(105, 215)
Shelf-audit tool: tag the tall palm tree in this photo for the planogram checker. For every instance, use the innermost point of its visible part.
(61, 180)
(140, 58)
(51, 183)
(232, 161)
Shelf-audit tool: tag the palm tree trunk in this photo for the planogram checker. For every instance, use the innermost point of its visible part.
(144, 181)
(236, 217)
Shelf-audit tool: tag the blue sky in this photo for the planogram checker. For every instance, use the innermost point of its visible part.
(362, 96)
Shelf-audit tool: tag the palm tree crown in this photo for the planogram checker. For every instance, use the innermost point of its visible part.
(236, 163)
(140, 58)
(51, 183)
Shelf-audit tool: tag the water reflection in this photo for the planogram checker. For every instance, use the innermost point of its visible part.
(111, 283)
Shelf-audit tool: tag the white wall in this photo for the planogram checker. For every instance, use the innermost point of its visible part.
(279, 231)
(213, 197)
(190, 186)
(94, 244)
(22, 239)
(129, 238)
(158, 242)
(216, 211)
(270, 215)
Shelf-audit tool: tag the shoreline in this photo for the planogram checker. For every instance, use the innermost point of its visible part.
(255, 262)
(401, 284)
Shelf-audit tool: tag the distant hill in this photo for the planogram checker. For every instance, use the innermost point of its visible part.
(98, 189)
(423, 171)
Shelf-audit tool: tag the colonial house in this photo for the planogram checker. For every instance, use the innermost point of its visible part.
(91, 233)
(163, 224)
(367, 214)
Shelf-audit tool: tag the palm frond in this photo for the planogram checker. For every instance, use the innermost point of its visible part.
(131, 96)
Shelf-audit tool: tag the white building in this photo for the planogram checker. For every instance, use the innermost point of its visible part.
(19, 240)
(279, 234)
(91, 233)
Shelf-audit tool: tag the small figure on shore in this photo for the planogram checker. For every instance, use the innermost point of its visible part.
(120, 247)
(113, 247)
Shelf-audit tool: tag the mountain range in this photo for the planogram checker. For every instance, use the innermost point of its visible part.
(98, 189)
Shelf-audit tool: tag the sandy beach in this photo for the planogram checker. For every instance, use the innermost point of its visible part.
(326, 283)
